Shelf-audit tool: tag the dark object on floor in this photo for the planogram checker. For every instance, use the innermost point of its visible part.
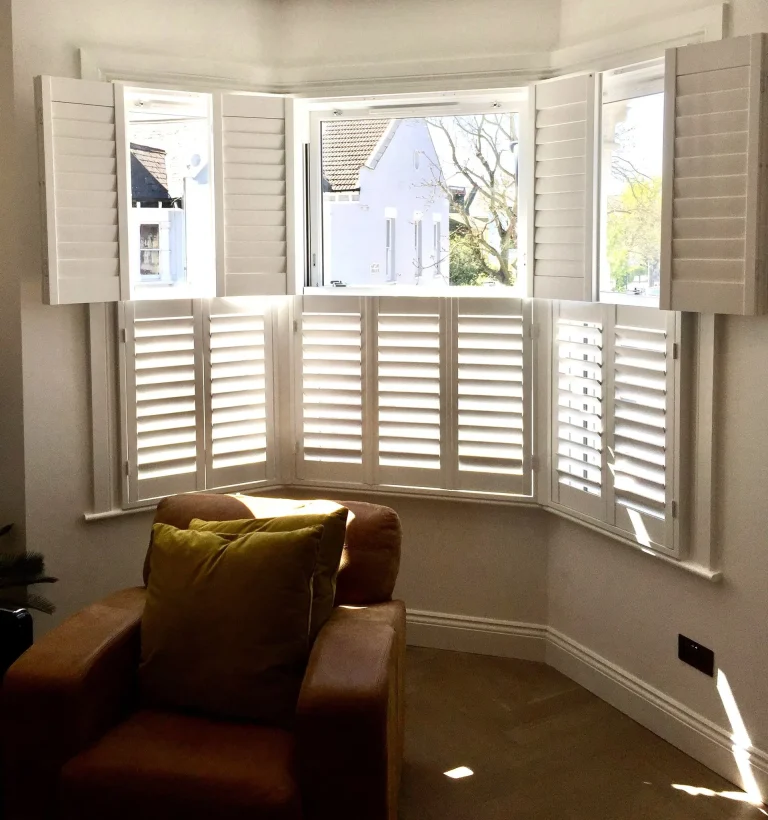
(15, 635)
(79, 746)
(17, 572)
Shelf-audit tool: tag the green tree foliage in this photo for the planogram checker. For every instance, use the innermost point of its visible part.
(466, 263)
(633, 231)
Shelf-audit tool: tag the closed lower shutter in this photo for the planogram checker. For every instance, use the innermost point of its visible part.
(238, 396)
(164, 387)
(492, 407)
(578, 409)
(330, 387)
(411, 390)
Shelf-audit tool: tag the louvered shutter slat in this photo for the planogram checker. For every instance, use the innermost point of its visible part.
(238, 397)
(163, 399)
(331, 407)
(79, 154)
(713, 227)
(253, 197)
(563, 203)
(491, 432)
(409, 392)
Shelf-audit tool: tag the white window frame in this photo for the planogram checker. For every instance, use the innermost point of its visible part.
(509, 100)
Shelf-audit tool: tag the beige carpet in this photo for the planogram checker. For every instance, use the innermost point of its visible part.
(540, 746)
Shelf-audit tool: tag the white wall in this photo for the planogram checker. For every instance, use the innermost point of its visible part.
(357, 230)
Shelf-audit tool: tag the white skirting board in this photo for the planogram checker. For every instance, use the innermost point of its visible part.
(689, 731)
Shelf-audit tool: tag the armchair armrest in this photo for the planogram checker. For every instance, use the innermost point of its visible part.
(348, 732)
(62, 694)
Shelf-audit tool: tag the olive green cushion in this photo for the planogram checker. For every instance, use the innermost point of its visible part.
(225, 629)
(279, 515)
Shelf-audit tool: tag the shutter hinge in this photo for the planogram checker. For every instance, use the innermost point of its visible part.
(127, 467)
(295, 325)
(123, 336)
(674, 509)
(535, 464)
(533, 331)
(675, 351)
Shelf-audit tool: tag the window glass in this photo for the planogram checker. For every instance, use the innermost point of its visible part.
(171, 213)
(630, 212)
(459, 172)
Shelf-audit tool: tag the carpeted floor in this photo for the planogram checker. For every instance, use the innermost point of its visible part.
(541, 748)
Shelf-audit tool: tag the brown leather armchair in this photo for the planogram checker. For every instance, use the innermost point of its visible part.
(79, 746)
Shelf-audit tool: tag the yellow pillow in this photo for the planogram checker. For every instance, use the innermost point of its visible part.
(226, 624)
(280, 515)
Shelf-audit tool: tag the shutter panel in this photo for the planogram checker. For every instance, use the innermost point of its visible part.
(492, 406)
(80, 150)
(330, 446)
(715, 179)
(578, 413)
(238, 395)
(562, 241)
(643, 412)
(162, 376)
(253, 194)
(411, 383)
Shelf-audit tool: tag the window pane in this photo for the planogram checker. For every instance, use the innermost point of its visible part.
(171, 217)
(382, 179)
(631, 198)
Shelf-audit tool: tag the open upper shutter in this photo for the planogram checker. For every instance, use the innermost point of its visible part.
(578, 411)
(331, 412)
(715, 189)
(641, 437)
(411, 391)
(562, 234)
(163, 383)
(238, 395)
(80, 149)
(492, 406)
(254, 178)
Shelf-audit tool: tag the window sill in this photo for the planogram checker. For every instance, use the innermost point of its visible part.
(688, 566)
(416, 290)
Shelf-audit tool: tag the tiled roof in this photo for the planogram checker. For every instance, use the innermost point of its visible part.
(347, 146)
(149, 175)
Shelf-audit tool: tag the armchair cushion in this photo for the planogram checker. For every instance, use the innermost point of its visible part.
(226, 623)
(282, 514)
(159, 765)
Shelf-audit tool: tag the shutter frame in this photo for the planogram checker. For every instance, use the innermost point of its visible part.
(566, 116)
(82, 247)
(701, 273)
(254, 234)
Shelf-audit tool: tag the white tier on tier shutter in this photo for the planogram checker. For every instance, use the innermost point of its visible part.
(715, 188)
(562, 234)
(254, 200)
(578, 408)
(82, 154)
(492, 402)
(411, 391)
(238, 398)
(641, 437)
(330, 410)
(163, 383)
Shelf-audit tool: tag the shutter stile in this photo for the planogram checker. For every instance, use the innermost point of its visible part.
(490, 405)
(332, 394)
(409, 387)
(237, 411)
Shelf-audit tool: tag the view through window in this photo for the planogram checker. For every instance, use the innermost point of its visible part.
(424, 202)
(171, 215)
(630, 224)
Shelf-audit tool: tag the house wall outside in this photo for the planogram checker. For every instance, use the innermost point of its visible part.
(356, 231)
